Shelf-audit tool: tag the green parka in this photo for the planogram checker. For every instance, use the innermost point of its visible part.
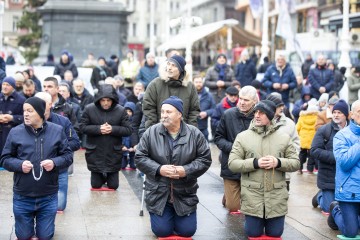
(263, 190)
(162, 88)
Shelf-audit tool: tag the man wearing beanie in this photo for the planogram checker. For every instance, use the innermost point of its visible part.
(234, 121)
(322, 150)
(11, 108)
(262, 154)
(344, 213)
(219, 77)
(172, 209)
(35, 151)
(175, 80)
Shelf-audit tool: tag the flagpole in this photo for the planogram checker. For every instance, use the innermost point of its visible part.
(265, 30)
(345, 45)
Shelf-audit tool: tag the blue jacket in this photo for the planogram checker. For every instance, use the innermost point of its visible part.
(24, 143)
(207, 104)
(72, 137)
(272, 75)
(245, 73)
(347, 154)
(13, 105)
(298, 106)
(147, 74)
(320, 77)
(2, 69)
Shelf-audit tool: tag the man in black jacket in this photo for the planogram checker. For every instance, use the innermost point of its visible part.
(234, 121)
(104, 122)
(35, 151)
(322, 150)
(173, 155)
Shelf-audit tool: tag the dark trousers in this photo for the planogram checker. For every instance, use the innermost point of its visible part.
(128, 158)
(303, 155)
(346, 216)
(99, 179)
(254, 226)
(171, 224)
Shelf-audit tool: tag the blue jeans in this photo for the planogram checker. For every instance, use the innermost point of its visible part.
(63, 189)
(324, 198)
(27, 209)
(346, 216)
(254, 226)
(170, 223)
(206, 133)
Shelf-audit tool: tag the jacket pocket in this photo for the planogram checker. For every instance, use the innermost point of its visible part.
(154, 193)
(279, 196)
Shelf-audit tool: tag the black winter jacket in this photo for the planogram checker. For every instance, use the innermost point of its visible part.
(322, 150)
(24, 143)
(231, 123)
(103, 151)
(191, 151)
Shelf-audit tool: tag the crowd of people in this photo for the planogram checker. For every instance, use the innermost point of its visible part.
(160, 118)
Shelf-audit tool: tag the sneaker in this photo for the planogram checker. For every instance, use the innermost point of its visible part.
(314, 200)
(331, 221)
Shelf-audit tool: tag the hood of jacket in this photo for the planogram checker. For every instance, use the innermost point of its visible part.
(106, 91)
(185, 79)
(130, 105)
(305, 91)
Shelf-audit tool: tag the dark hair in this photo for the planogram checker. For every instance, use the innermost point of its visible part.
(52, 79)
(29, 83)
(65, 85)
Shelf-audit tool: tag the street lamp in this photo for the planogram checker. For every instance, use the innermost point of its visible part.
(345, 43)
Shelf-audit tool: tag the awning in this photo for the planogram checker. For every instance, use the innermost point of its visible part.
(239, 35)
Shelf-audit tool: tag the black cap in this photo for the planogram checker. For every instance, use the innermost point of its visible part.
(267, 107)
(232, 91)
(278, 102)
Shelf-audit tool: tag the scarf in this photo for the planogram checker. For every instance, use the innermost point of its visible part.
(221, 68)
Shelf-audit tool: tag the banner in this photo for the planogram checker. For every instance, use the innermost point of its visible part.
(256, 7)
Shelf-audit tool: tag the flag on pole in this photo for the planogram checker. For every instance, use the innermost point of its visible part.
(256, 7)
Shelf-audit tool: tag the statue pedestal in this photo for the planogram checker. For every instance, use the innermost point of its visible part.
(81, 27)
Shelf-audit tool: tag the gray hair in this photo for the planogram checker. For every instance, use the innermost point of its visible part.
(149, 55)
(44, 96)
(249, 91)
(355, 105)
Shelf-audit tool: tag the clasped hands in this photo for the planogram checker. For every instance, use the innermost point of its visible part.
(5, 118)
(280, 87)
(105, 128)
(172, 171)
(47, 164)
(268, 162)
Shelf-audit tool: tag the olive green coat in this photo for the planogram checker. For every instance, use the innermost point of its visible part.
(263, 189)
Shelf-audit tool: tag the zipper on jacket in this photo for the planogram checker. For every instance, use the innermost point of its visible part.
(41, 149)
(70, 132)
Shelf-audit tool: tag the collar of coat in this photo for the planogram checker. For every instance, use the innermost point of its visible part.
(183, 130)
(263, 130)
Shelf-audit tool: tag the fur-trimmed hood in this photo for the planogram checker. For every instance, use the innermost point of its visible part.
(164, 75)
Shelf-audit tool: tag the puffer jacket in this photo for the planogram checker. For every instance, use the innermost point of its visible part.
(162, 88)
(353, 82)
(103, 151)
(232, 123)
(212, 76)
(306, 128)
(147, 74)
(245, 73)
(23, 144)
(298, 106)
(346, 151)
(272, 75)
(261, 189)
(322, 150)
(61, 68)
(191, 151)
(320, 77)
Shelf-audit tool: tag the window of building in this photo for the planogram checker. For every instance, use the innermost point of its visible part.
(215, 14)
(14, 25)
(155, 29)
(177, 6)
(16, 1)
(171, 6)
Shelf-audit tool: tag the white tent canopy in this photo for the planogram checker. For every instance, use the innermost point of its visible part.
(194, 34)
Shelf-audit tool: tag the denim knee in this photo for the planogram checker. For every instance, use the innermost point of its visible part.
(161, 231)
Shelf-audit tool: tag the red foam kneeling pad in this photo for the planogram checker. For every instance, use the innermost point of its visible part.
(264, 237)
(174, 237)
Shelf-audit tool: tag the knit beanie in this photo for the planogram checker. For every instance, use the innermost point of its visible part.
(11, 81)
(342, 106)
(179, 62)
(38, 104)
(278, 102)
(266, 106)
(221, 55)
(175, 102)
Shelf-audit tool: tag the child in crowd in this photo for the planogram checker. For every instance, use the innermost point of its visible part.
(129, 142)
